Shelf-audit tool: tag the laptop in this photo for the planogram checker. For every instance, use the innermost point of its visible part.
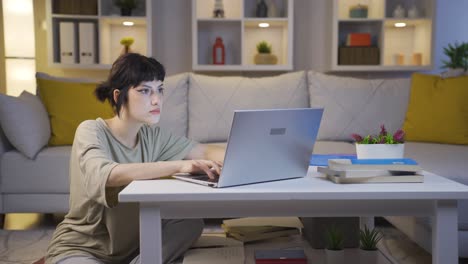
(266, 145)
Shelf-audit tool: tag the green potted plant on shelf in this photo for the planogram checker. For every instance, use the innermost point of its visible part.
(126, 6)
(458, 59)
(264, 55)
(334, 251)
(368, 239)
(382, 146)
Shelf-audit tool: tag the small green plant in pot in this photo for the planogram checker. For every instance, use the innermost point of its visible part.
(458, 59)
(381, 146)
(458, 55)
(264, 55)
(368, 238)
(263, 47)
(334, 239)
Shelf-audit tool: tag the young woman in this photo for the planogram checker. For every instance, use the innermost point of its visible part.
(109, 154)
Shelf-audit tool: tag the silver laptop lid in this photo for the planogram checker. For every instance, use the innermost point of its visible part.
(267, 145)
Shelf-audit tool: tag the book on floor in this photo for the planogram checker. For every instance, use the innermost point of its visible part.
(250, 229)
(261, 233)
(280, 256)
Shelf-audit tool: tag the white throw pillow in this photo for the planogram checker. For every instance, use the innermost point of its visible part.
(212, 100)
(25, 122)
(358, 105)
(174, 115)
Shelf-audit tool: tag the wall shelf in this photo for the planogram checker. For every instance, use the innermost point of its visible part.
(408, 48)
(92, 40)
(241, 33)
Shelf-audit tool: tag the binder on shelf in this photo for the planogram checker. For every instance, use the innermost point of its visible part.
(87, 41)
(67, 42)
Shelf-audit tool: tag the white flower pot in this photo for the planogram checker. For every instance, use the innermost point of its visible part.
(368, 256)
(380, 151)
(334, 256)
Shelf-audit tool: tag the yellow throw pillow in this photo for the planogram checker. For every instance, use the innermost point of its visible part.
(437, 110)
(68, 104)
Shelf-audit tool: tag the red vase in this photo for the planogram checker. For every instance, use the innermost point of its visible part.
(218, 52)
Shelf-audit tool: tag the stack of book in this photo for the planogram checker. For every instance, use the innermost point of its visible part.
(260, 228)
(280, 256)
(372, 170)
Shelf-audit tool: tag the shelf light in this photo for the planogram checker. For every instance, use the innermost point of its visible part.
(128, 23)
(263, 25)
(400, 24)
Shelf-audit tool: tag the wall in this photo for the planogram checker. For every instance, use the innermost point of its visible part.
(312, 36)
(2, 55)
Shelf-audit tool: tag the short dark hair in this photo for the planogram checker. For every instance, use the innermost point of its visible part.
(127, 71)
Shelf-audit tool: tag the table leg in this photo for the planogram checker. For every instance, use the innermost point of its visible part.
(445, 232)
(150, 235)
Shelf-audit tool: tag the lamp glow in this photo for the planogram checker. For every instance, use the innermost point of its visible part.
(263, 25)
(400, 24)
(128, 23)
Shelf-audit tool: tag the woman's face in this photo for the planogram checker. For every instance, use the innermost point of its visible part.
(145, 102)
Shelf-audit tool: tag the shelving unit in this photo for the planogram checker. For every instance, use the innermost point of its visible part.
(408, 48)
(87, 34)
(240, 32)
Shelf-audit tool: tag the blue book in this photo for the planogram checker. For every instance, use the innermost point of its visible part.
(374, 164)
(322, 159)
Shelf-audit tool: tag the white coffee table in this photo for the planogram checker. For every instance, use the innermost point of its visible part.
(309, 196)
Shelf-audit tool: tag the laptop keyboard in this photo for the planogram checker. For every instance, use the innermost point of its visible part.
(202, 177)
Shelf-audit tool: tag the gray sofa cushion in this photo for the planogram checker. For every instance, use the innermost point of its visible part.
(446, 160)
(48, 173)
(174, 115)
(25, 122)
(212, 100)
(357, 105)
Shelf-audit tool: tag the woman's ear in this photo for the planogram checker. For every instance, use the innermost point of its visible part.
(116, 94)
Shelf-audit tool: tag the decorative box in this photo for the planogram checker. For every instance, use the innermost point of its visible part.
(358, 56)
(358, 39)
(358, 11)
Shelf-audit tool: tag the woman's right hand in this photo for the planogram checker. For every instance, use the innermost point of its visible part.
(210, 167)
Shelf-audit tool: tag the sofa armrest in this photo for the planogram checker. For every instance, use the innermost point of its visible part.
(5, 145)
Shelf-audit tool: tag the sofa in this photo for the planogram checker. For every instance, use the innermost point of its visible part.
(201, 107)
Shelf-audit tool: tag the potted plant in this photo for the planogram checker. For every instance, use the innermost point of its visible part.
(458, 59)
(264, 55)
(126, 6)
(334, 251)
(368, 239)
(381, 146)
(126, 42)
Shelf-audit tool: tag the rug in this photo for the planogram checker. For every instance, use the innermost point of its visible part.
(25, 247)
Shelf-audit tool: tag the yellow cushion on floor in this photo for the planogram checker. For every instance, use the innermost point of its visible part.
(68, 104)
(437, 110)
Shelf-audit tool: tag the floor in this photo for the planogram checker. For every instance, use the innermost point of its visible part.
(25, 238)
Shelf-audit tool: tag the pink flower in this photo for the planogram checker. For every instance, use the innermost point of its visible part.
(399, 136)
(383, 131)
(356, 137)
